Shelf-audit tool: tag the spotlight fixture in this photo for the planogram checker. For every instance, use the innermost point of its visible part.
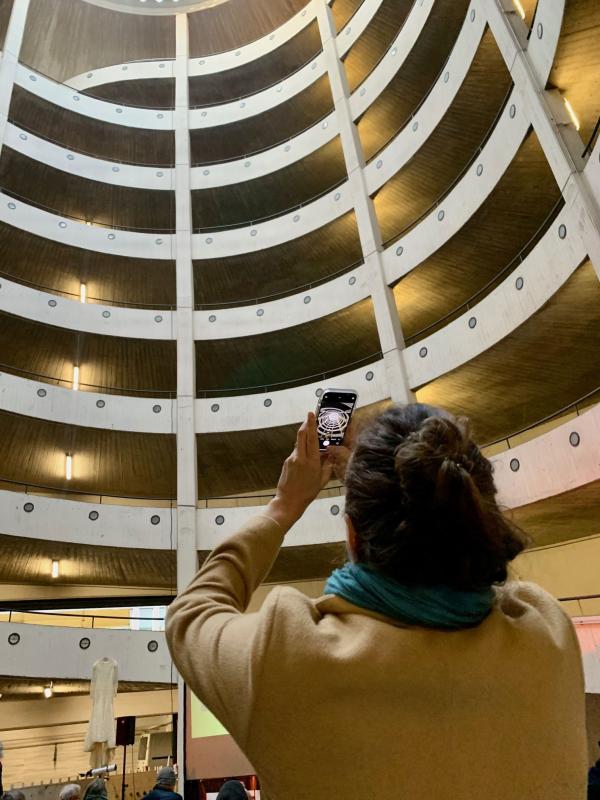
(75, 377)
(55, 568)
(571, 113)
(82, 292)
(519, 8)
(48, 692)
(68, 468)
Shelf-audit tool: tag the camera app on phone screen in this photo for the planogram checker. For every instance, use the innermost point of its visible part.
(333, 417)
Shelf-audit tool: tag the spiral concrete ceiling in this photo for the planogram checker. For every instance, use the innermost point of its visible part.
(487, 263)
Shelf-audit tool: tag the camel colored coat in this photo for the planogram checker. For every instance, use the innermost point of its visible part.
(330, 701)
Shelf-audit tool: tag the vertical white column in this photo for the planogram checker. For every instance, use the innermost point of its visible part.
(384, 307)
(10, 59)
(187, 484)
(556, 134)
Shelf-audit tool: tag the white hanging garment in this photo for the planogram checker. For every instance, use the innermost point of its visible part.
(102, 693)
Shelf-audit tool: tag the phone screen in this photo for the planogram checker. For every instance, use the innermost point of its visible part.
(333, 416)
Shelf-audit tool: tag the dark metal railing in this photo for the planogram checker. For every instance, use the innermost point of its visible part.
(592, 139)
(582, 404)
(89, 299)
(78, 151)
(278, 295)
(125, 391)
(493, 282)
(274, 215)
(86, 220)
(258, 91)
(306, 379)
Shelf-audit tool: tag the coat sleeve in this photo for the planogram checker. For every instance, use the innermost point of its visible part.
(219, 650)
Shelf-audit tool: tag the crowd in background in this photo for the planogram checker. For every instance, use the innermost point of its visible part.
(163, 790)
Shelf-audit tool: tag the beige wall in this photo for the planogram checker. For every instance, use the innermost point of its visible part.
(569, 569)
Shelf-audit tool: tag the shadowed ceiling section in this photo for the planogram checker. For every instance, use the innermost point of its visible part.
(392, 108)
(5, 9)
(94, 202)
(55, 267)
(273, 194)
(28, 561)
(547, 363)
(514, 216)
(86, 135)
(282, 269)
(149, 92)
(300, 354)
(372, 44)
(97, 37)
(104, 462)
(86, 564)
(262, 131)
(258, 74)
(143, 367)
(566, 516)
(236, 23)
(450, 148)
(343, 11)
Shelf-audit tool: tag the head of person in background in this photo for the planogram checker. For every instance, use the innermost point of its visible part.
(232, 790)
(72, 791)
(164, 788)
(593, 789)
(13, 794)
(96, 790)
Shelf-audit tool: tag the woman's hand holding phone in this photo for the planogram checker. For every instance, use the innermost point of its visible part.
(304, 474)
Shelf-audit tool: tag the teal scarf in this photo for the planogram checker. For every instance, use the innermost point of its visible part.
(431, 606)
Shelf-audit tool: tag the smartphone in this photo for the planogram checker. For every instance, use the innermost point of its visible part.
(334, 412)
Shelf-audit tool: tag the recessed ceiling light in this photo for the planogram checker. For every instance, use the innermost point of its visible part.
(68, 467)
(572, 114)
(519, 7)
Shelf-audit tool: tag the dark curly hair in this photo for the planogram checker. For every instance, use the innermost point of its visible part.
(422, 500)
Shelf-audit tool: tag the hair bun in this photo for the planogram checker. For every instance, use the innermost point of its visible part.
(421, 496)
(440, 448)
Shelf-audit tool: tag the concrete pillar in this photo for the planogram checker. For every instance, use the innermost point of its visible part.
(187, 484)
(558, 138)
(384, 307)
(10, 59)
